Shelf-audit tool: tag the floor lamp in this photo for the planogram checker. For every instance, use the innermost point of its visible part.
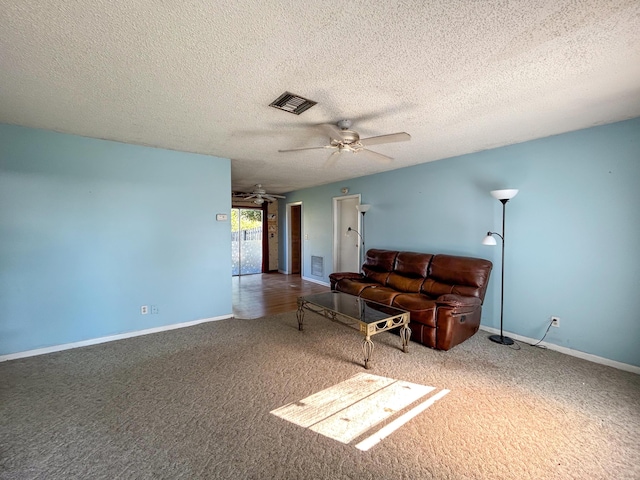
(504, 196)
(362, 208)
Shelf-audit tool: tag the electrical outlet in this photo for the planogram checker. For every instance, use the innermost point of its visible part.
(555, 321)
(144, 309)
(154, 309)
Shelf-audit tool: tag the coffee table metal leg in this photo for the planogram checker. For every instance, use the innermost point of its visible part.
(367, 348)
(300, 316)
(405, 335)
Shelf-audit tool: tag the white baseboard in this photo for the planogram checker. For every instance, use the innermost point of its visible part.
(110, 338)
(567, 351)
(94, 341)
(319, 282)
(314, 280)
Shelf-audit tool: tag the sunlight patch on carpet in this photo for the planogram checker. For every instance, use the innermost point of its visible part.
(349, 409)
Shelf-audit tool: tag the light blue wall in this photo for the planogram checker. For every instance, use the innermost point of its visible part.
(572, 233)
(90, 230)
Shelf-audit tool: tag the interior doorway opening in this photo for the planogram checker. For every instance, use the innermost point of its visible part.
(296, 243)
(247, 241)
(294, 239)
(346, 243)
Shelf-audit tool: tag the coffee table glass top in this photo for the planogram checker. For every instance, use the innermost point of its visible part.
(354, 307)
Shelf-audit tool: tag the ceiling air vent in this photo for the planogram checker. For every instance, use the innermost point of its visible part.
(292, 103)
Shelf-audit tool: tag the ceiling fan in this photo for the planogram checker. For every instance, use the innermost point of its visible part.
(259, 195)
(341, 139)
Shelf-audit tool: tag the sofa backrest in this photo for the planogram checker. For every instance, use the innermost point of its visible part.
(378, 264)
(433, 275)
(460, 275)
(409, 272)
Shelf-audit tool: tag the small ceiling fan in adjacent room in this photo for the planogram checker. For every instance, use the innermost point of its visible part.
(341, 139)
(258, 195)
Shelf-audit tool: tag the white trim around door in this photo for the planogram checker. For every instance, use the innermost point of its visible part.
(341, 218)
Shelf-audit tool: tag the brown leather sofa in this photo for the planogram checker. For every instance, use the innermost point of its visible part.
(443, 293)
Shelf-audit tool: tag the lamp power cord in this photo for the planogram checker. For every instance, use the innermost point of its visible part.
(537, 344)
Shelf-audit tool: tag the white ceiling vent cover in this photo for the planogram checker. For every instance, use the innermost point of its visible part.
(292, 103)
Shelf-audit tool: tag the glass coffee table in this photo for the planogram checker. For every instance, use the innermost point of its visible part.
(368, 317)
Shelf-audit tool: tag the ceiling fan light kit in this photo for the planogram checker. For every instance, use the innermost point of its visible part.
(344, 124)
(342, 140)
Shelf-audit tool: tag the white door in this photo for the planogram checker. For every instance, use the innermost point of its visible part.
(346, 257)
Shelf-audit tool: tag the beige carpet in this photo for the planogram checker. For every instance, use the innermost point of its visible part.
(197, 403)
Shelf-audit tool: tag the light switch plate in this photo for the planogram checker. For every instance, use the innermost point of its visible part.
(222, 217)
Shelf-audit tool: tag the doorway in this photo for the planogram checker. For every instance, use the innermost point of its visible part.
(294, 255)
(346, 244)
(296, 242)
(246, 241)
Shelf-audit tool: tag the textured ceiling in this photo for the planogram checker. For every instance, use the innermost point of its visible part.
(198, 76)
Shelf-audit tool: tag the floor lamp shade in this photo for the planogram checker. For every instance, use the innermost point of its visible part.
(504, 196)
(489, 239)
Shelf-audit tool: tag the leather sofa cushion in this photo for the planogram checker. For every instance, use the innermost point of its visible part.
(378, 264)
(422, 308)
(378, 294)
(353, 286)
(404, 284)
(380, 260)
(411, 264)
(375, 276)
(335, 277)
(410, 271)
(459, 275)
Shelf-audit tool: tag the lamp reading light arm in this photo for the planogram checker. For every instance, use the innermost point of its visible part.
(354, 230)
(489, 234)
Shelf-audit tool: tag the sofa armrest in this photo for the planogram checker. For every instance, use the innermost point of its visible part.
(457, 318)
(458, 302)
(335, 277)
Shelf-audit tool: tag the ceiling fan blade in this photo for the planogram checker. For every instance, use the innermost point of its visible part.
(333, 131)
(375, 155)
(333, 158)
(251, 196)
(392, 137)
(306, 148)
(272, 196)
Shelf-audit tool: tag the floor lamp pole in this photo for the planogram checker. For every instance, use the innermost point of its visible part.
(501, 338)
(362, 252)
(362, 208)
(504, 196)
